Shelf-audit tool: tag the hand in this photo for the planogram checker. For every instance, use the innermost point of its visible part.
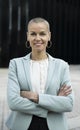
(33, 96)
(64, 90)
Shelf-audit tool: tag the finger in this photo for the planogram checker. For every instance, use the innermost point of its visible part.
(66, 94)
(63, 86)
(68, 91)
(66, 87)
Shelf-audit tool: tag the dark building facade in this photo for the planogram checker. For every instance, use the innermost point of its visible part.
(64, 19)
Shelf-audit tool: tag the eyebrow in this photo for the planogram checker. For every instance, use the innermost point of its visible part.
(35, 32)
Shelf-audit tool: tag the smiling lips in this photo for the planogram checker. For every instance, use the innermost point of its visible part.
(38, 44)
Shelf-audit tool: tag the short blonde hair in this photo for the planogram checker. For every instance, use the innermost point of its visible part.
(39, 20)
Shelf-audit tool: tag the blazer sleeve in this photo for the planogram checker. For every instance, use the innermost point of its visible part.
(59, 103)
(15, 101)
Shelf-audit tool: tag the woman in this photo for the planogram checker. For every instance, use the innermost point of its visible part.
(39, 86)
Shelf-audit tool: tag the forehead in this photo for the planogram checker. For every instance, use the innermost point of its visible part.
(41, 26)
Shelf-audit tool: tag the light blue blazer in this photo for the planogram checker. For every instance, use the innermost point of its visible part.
(50, 106)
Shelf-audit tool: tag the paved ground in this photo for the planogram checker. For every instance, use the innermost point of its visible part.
(73, 117)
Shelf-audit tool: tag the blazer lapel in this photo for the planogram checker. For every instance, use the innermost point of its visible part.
(26, 63)
(50, 71)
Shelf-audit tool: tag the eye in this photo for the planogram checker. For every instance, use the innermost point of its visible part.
(33, 34)
(42, 33)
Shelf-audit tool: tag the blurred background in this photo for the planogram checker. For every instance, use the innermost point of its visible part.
(64, 19)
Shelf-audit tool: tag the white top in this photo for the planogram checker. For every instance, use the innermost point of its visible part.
(38, 73)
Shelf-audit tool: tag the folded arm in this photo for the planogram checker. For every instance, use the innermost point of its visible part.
(62, 102)
(50, 102)
(17, 102)
(33, 96)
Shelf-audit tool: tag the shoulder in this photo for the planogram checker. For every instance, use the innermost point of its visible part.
(19, 60)
(61, 61)
(61, 64)
(16, 59)
(58, 62)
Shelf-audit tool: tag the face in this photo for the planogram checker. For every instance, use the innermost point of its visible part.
(38, 36)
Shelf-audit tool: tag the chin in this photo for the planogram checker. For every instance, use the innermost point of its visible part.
(39, 48)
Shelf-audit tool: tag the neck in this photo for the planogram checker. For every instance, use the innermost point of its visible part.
(38, 56)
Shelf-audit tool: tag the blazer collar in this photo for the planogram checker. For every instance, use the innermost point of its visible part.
(27, 57)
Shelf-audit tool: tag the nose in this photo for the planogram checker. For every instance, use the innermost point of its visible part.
(37, 37)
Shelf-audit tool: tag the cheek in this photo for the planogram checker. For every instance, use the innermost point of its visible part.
(31, 44)
(30, 41)
(46, 43)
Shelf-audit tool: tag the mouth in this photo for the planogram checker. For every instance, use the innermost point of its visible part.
(38, 44)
